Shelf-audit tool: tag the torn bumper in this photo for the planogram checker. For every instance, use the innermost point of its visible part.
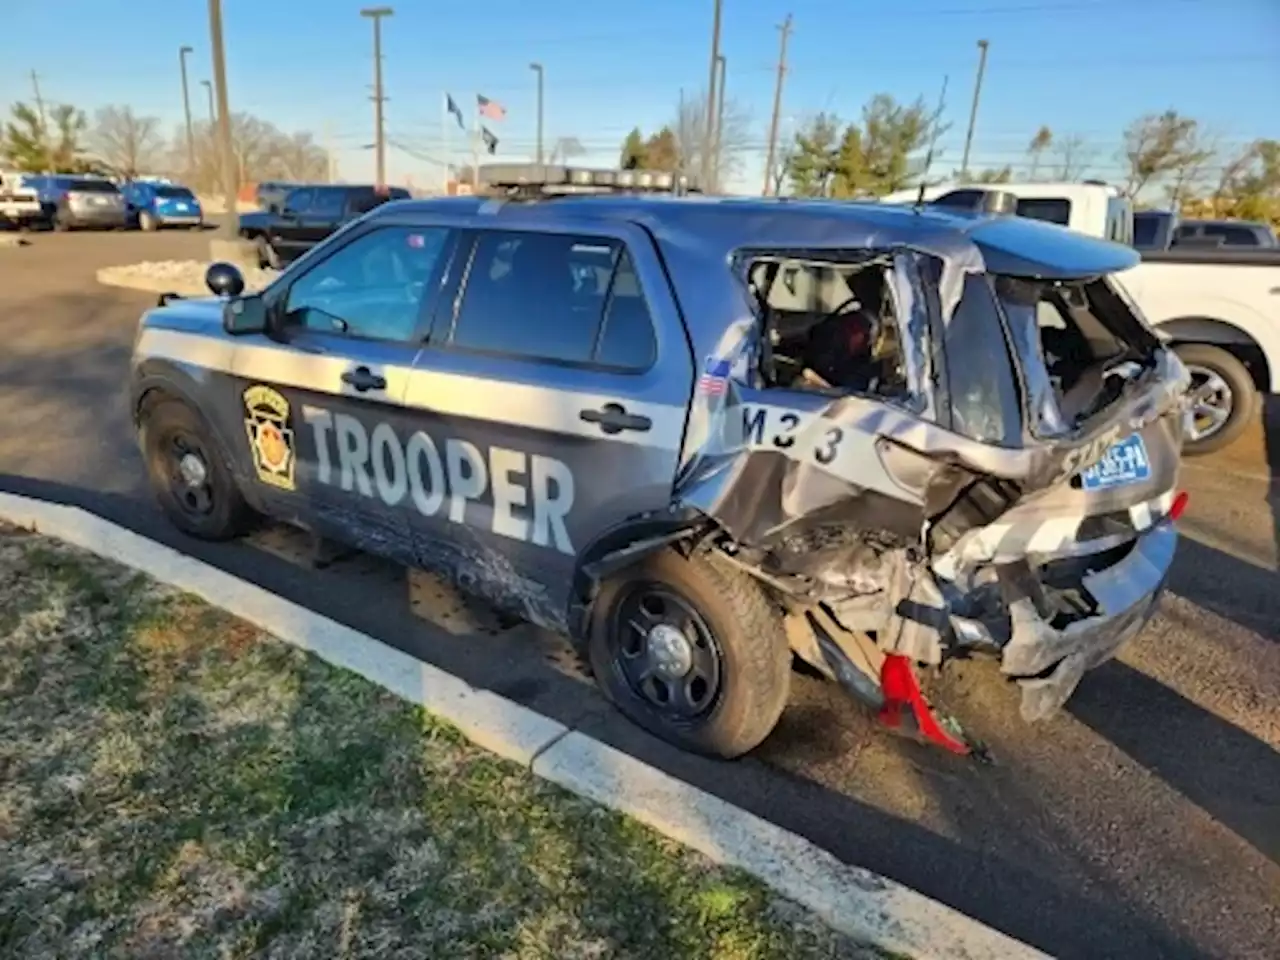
(1049, 662)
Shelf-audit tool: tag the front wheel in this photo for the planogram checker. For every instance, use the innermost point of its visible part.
(693, 651)
(1222, 398)
(268, 256)
(146, 222)
(189, 478)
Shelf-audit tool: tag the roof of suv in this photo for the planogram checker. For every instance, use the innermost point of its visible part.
(724, 225)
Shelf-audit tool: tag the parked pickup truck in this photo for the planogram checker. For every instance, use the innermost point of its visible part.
(1219, 305)
(309, 215)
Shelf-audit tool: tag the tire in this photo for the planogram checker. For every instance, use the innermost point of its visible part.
(216, 511)
(267, 256)
(1214, 369)
(146, 221)
(60, 222)
(744, 632)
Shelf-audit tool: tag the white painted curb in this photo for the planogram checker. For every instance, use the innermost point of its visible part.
(854, 901)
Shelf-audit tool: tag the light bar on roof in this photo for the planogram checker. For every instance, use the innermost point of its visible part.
(550, 177)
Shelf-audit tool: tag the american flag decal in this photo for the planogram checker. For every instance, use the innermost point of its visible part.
(715, 377)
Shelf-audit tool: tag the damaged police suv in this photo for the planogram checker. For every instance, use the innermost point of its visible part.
(701, 436)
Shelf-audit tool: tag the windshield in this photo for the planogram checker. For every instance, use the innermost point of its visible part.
(174, 193)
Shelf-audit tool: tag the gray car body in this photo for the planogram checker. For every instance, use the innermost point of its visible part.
(526, 503)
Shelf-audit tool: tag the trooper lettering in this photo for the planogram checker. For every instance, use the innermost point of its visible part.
(520, 496)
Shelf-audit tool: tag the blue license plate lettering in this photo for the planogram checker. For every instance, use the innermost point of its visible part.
(1124, 463)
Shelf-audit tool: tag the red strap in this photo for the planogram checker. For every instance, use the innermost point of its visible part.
(902, 690)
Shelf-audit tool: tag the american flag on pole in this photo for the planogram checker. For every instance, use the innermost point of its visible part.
(490, 109)
(715, 377)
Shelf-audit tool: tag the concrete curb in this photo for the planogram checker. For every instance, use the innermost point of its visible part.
(854, 901)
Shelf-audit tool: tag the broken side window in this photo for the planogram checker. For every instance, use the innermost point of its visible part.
(831, 323)
(981, 383)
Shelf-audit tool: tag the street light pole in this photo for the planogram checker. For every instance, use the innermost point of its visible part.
(213, 114)
(537, 68)
(719, 127)
(380, 144)
(186, 111)
(711, 101)
(973, 113)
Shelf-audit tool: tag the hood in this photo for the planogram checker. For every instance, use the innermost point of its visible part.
(194, 315)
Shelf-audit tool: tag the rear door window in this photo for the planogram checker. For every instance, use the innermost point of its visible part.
(93, 186)
(1050, 209)
(555, 297)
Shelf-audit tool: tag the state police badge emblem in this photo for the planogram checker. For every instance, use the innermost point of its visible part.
(266, 423)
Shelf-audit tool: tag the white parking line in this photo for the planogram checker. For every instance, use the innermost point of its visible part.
(856, 902)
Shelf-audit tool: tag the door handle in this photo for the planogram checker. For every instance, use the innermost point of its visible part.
(362, 378)
(613, 418)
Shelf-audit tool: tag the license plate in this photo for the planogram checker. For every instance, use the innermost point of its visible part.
(1124, 463)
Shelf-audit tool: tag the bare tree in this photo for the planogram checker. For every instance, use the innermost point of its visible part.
(1072, 157)
(1159, 144)
(127, 143)
(1041, 142)
(734, 136)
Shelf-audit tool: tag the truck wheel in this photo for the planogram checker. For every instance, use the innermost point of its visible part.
(1223, 398)
(692, 652)
(188, 475)
(146, 221)
(267, 255)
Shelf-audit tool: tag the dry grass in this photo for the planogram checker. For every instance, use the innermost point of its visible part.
(174, 784)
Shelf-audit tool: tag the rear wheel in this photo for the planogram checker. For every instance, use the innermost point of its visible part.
(188, 475)
(1223, 397)
(692, 651)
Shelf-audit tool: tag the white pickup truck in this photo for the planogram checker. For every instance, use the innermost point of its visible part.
(1219, 306)
(19, 204)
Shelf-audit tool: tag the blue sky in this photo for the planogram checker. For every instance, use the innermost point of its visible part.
(1081, 66)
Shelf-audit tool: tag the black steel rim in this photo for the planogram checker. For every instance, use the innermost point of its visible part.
(685, 699)
(194, 499)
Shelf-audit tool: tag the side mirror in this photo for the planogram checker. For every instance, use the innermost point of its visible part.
(224, 280)
(245, 315)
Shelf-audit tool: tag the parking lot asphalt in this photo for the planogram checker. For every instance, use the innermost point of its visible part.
(1144, 822)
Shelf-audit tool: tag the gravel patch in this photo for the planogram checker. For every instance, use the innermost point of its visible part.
(174, 276)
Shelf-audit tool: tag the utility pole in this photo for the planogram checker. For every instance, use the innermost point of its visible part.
(229, 228)
(719, 127)
(186, 112)
(537, 68)
(682, 146)
(973, 112)
(711, 101)
(380, 144)
(44, 122)
(785, 30)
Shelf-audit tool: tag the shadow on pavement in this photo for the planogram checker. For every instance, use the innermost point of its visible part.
(1236, 777)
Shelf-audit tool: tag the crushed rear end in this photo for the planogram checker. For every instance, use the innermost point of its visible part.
(1003, 483)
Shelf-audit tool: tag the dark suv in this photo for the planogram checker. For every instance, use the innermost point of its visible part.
(308, 215)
